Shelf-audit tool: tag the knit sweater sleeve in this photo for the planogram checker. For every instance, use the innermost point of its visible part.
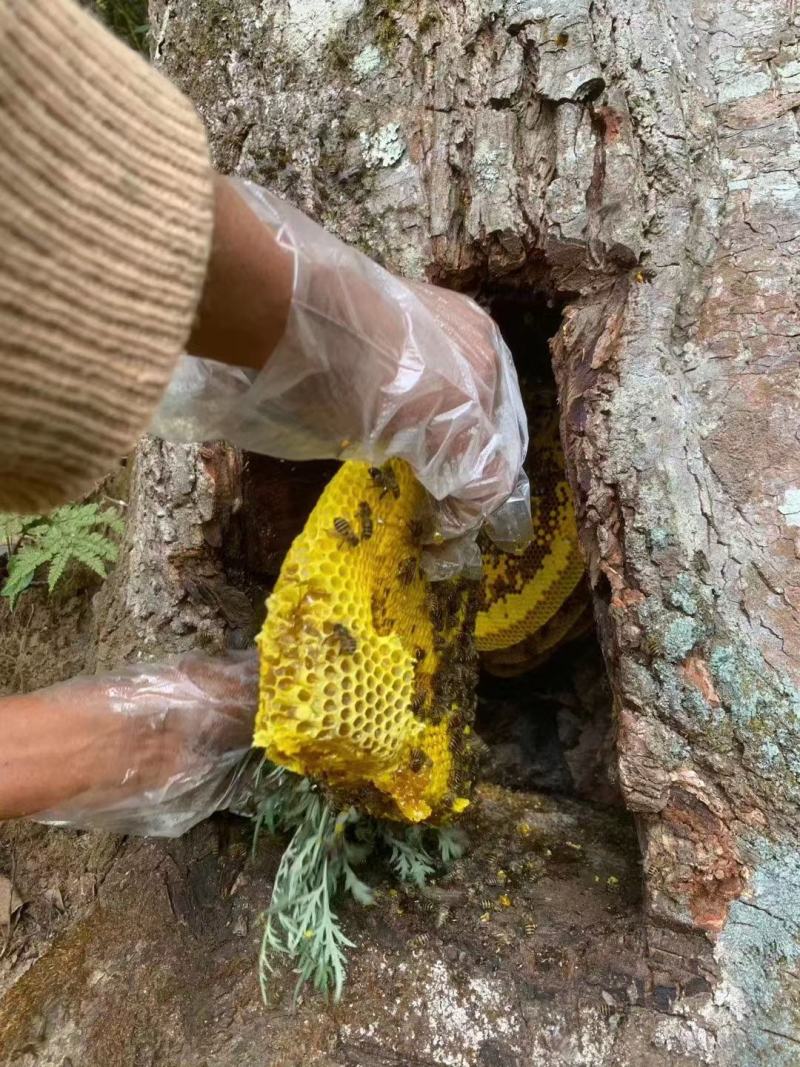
(105, 227)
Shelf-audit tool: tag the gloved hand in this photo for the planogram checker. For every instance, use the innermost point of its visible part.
(372, 366)
(150, 749)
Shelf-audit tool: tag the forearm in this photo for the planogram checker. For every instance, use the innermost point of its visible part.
(57, 744)
(105, 225)
(151, 748)
(247, 290)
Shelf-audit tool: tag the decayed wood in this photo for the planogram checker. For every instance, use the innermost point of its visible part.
(636, 160)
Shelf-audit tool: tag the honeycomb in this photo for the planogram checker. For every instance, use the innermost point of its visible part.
(367, 669)
(521, 594)
(572, 620)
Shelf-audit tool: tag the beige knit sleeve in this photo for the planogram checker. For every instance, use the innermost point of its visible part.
(105, 226)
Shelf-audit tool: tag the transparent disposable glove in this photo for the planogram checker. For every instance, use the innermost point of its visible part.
(165, 744)
(373, 366)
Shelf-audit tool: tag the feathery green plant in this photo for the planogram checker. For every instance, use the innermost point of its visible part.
(127, 18)
(12, 527)
(75, 533)
(318, 866)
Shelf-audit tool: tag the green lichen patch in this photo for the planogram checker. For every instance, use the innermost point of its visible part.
(758, 953)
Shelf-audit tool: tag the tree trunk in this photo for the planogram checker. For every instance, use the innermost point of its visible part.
(634, 162)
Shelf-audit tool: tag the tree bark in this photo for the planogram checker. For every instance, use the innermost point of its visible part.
(634, 161)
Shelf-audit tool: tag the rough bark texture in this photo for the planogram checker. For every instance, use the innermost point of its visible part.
(633, 161)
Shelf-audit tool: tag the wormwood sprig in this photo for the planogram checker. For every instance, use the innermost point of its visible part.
(319, 865)
(76, 533)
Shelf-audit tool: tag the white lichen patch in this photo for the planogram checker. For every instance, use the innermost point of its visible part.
(740, 87)
(790, 508)
(368, 61)
(451, 1021)
(683, 1037)
(311, 23)
(461, 1020)
(383, 148)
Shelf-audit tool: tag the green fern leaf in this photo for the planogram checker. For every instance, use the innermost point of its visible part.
(76, 533)
(21, 570)
(56, 570)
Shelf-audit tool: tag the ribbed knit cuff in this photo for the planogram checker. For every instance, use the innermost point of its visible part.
(105, 226)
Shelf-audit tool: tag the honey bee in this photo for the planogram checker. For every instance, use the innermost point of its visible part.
(418, 940)
(416, 528)
(385, 480)
(529, 928)
(347, 643)
(486, 904)
(417, 704)
(365, 519)
(418, 760)
(343, 529)
(406, 570)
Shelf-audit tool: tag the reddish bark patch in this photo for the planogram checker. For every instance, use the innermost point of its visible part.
(704, 867)
(612, 123)
(696, 673)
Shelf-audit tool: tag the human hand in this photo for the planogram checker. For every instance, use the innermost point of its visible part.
(150, 749)
(372, 366)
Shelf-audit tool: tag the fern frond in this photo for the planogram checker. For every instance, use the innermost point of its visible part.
(21, 570)
(76, 533)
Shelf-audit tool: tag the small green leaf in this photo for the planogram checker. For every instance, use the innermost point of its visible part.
(358, 890)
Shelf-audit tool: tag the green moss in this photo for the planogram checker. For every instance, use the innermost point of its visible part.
(340, 51)
(679, 638)
(379, 15)
(428, 21)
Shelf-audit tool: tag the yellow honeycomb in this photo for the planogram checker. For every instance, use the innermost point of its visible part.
(521, 594)
(367, 669)
(572, 620)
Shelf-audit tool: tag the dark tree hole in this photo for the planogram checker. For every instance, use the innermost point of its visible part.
(549, 728)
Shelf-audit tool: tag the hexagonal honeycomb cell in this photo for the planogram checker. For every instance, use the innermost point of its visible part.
(521, 594)
(367, 669)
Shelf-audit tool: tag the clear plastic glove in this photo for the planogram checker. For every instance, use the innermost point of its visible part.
(373, 366)
(151, 749)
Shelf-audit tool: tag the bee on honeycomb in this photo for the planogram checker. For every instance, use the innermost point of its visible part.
(531, 602)
(361, 689)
